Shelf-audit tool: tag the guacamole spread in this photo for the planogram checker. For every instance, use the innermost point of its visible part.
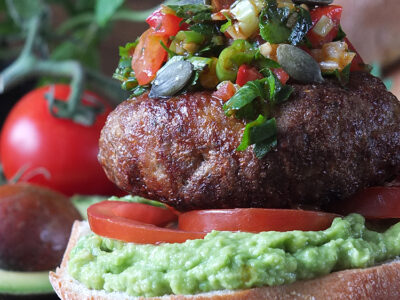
(227, 260)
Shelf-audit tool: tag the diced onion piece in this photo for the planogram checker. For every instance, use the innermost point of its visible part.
(259, 4)
(235, 32)
(329, 65)
(246, 13)
(221, 15)
(323, 26)
(333, 56)
(268, 50)
(265, 49)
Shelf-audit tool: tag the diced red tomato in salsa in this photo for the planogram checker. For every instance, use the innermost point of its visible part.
(164, 24)
(246, 74)
(331, 16)
(149, 55)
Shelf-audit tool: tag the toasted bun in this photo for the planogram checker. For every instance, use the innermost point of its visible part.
(381, 282)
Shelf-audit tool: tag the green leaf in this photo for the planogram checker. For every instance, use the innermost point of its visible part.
(105, 9)
(344, 75)
(261, 133)
(127, 50)
(245, 95)
(301, 27)
(265, 63)
(261, 149)
(275, 27)
(205, 29)
(341, 34)
(169, 51)
(246, 139)
(23, 11)
(278, 93)
(226, 25)
(138, 199)
(283, 94)
(193, 13)
(272, 23)
(139, 90)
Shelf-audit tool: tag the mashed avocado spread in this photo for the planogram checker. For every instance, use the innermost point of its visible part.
(227, 260)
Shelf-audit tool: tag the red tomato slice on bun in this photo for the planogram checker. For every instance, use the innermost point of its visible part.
(108, 219)
(374, 203)
(254, 220)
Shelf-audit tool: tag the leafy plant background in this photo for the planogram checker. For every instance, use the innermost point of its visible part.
(88, 31)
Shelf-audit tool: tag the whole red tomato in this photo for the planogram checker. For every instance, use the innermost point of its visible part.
(53, 152)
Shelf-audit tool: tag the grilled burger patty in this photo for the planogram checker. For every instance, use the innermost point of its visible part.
(332, 142)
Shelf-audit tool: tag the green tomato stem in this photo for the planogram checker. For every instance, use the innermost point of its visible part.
(106, 86)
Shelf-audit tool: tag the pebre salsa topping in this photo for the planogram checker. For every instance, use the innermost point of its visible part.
(248, 52)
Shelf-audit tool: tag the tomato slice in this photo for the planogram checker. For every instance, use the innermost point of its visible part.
(149, 55)
(254, 220)
(108, 219)
(330, 15)
(164, 24)
(145, 213)
(246, 74)
(374, 203)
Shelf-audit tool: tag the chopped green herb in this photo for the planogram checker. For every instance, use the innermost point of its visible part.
(261, 133)
(193, 13)
(278, 93)
(127, 50)
(205, 29)
(226, 25)
(301, 27)
(124, 72)
(274, 24)
(340, 35)
(245, 95)
(262, 148)
(169, 51)
(344, 75)
(265, 63)
(139, 90)
(257, 131)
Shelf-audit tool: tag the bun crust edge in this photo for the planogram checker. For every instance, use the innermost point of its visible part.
(380, 282)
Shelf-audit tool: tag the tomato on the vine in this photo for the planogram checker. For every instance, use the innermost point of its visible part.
(53, 152)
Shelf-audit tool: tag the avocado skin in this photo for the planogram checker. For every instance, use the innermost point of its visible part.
(52, 296)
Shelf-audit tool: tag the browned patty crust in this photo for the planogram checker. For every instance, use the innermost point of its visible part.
(332, 142)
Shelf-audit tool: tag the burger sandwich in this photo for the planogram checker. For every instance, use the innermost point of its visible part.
(271, 154)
